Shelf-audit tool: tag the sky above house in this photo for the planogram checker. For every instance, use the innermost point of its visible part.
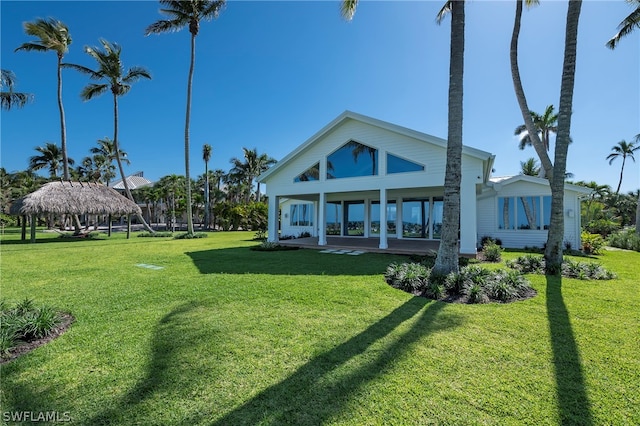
(271, 74)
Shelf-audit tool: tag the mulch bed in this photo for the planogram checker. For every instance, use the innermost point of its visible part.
(28, 346)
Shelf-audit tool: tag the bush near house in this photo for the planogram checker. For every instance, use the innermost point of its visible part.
(625, 239)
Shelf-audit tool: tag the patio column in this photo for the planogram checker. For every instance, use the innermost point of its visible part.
(468, 220)
(322, 225)
(272, 227)
(383, 219)
(367, 218)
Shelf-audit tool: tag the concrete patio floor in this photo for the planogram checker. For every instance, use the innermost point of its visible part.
(370, 245)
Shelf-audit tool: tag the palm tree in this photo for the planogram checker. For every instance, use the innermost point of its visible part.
(545, 124)
(447, 260)
(106, 149)
(250, 168)
(111, 71)
(50, 157)
(10, 98)
(530, 167)
(624, 150)
(627, 26)
(554, 172)
(206, 156)
(52, 35)
(182, 14)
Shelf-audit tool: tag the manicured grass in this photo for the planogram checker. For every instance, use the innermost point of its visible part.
(225, 335)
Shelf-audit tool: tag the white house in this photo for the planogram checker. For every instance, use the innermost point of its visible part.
(337, 182)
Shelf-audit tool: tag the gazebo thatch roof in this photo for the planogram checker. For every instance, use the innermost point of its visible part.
(74, 198)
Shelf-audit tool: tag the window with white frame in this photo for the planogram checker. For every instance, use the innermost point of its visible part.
(524, 213)
(301, 214)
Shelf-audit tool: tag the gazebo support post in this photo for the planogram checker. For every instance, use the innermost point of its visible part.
(23, 234)
(128, 226)
(33, 228)
(109, 225)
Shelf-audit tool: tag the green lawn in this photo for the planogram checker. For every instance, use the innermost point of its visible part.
(228, 336)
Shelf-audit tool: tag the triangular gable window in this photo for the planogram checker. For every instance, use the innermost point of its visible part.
(400, 165)
(351, 160)
(312, 173)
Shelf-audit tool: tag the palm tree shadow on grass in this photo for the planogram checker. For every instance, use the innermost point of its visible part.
(573, 402)
(313, 394)
(317, 392)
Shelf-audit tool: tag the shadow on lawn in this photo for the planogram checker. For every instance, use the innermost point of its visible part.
(242, 260)
(313, 394)
(573, 402)
(318, 391)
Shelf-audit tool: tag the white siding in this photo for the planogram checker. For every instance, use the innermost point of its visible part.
(488, 216)
(285, 220)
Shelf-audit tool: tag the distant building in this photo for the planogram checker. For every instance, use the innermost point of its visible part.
(134, 181)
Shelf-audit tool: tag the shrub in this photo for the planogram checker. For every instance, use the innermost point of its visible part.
(487, 239)
(625, 239)
(475, 294)
(6, 220)
(409, 277)
(456, 283)
(304, 235)
(433, 290)
(527, 264)
(261, 234)
(272, 246)
(492, 252)
(188, 236)
(25, 322)
(570, 268)
(591, 243)
(603, 227)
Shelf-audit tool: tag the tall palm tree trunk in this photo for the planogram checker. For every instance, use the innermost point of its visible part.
(206, 195)
(621, 173)
(119, 161)
(538, 145)
(553, 252)
(186, 134)
(447, 260)
(63, 127)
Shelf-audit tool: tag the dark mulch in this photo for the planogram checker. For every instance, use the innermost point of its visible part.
(28, 346)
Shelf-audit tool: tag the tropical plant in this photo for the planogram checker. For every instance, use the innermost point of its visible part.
(182, 14)
(206, 156)
(447, 260)
(111, 71)
(623, 150)
(172, 189)
(50, 157)
(106, 149)
(249, 168)
(544, 124)
(627, 26)
(554, 172)
(530, 167)
(9, 97)
(52, 35)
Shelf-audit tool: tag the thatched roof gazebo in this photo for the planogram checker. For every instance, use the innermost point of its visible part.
(75, 198)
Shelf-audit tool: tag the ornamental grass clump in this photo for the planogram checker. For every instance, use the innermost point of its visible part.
(410, 277)
(25, 322)
(532, 264)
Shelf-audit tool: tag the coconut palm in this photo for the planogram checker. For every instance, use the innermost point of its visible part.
(206, 156)
(183, 14)
(50, 157)
(628, 24)
(111, 71)
(11, 99)
(447, 260)
(106, 149)
(554, 172)
(623, 150)
(530, 167)
(250, 168)
(545, 124)
(52, 35)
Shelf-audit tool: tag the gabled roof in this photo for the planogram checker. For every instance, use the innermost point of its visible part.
(134, 181)
(499, 181)
(350, 115)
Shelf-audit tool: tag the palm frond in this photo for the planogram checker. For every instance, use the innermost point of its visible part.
(213, 8)
(446, 9)
(92, 90)
(165, 26)
(348, 9)
(84, 70)
(29, 47)
(627, 26)
(136, 73)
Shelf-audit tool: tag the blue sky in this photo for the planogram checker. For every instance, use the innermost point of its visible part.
(270, 74)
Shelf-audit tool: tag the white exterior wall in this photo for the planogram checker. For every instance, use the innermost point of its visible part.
(285, 220)
(488, 216)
